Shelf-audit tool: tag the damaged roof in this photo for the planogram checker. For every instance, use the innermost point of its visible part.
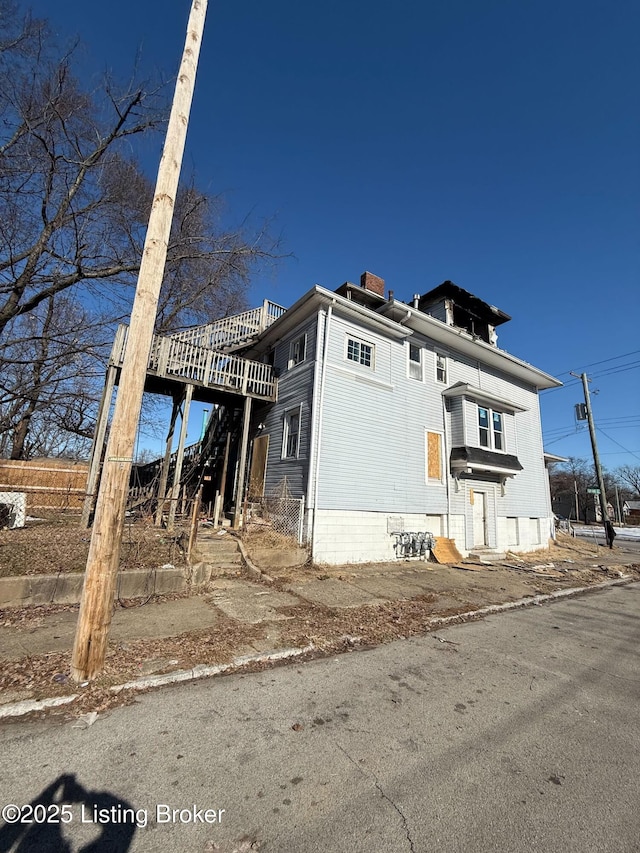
(463, 299)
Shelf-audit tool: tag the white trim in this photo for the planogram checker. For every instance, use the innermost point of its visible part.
(293, 410)
(427, 479)
(290, 362)
(360, 377)
(491, 433)
(419, 363)
(484, 398)
(361, 342)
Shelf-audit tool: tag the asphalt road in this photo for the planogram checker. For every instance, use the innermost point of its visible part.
(517, 733)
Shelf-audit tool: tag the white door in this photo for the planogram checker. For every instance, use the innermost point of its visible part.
(479, 519)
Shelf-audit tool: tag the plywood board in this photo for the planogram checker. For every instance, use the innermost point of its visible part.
(445, 551)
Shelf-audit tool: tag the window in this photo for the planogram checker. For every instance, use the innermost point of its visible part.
(441, 367)
(434, 456)
(498, 432)
(490, 429)
(297, 351)
(291, 435)
(360, 352)
(415, 362)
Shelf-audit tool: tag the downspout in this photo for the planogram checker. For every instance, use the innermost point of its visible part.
(309, 502)
(320, 409)
(446, 465)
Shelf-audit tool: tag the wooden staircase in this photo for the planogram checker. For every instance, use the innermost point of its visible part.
(234, 332)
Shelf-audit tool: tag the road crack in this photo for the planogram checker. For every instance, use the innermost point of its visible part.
(372, 776)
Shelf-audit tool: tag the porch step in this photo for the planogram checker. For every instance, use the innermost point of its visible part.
(220, 552)
(485, 556)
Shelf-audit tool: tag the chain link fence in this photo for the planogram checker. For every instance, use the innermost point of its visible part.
(284, 514)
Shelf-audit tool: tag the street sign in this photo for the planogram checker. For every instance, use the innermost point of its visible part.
(593, 491)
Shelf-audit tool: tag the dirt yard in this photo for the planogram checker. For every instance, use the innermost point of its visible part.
(58, 544)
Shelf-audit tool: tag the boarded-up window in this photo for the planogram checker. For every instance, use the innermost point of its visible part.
(434, 456)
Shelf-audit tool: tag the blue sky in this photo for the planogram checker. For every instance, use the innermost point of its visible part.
(492, 143)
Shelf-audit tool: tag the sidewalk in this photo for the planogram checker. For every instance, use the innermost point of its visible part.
(332, 609)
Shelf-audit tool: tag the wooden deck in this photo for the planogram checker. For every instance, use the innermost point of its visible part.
(232, 332)
(172, 358)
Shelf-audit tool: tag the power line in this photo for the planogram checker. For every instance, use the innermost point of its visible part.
(604, 360)
(626, 450)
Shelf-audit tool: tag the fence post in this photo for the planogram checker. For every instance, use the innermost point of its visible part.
(301, 521)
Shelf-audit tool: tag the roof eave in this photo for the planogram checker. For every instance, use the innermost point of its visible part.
(465, 343)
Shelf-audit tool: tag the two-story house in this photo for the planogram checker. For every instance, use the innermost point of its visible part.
(394, 416)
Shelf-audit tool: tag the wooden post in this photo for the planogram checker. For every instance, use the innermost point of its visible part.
(242, 465)
(98, 446)
(177, 473)
(193, 532)
(96, 605)
(225, 466)
(166, 463)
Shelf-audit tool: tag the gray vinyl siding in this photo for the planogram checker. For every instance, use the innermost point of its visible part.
(375, 421)
(295, 389)
(374, 426)
(372, 439)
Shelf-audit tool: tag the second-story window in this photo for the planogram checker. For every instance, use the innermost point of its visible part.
(490, 429)
(498, 431)
(297, 351)
(441, 367)
(360, 352)
(415, 362)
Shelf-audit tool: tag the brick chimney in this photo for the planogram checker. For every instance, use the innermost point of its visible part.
(372, 282)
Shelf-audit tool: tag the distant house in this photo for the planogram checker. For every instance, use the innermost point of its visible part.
(631, 512)
(393, 417)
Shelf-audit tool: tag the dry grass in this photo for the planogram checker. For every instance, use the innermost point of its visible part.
(565, 547)
(58, 544)
(264, 536)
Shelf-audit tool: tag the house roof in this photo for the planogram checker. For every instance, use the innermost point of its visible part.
(481, 309)
(552, 457)
(398, 320)
(465, 343)
(479, 459)
(463, 389)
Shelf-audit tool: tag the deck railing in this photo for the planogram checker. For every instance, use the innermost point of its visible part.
(177, 359)
(235, 329)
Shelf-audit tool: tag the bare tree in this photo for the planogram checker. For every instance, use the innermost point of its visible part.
(74, 205)
(49, 360)
(630, 476)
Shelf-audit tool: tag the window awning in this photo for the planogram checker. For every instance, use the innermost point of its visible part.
(492, 401)
(477, 460)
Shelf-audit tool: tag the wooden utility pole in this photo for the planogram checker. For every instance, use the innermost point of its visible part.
(96, 605)
(594, 447)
